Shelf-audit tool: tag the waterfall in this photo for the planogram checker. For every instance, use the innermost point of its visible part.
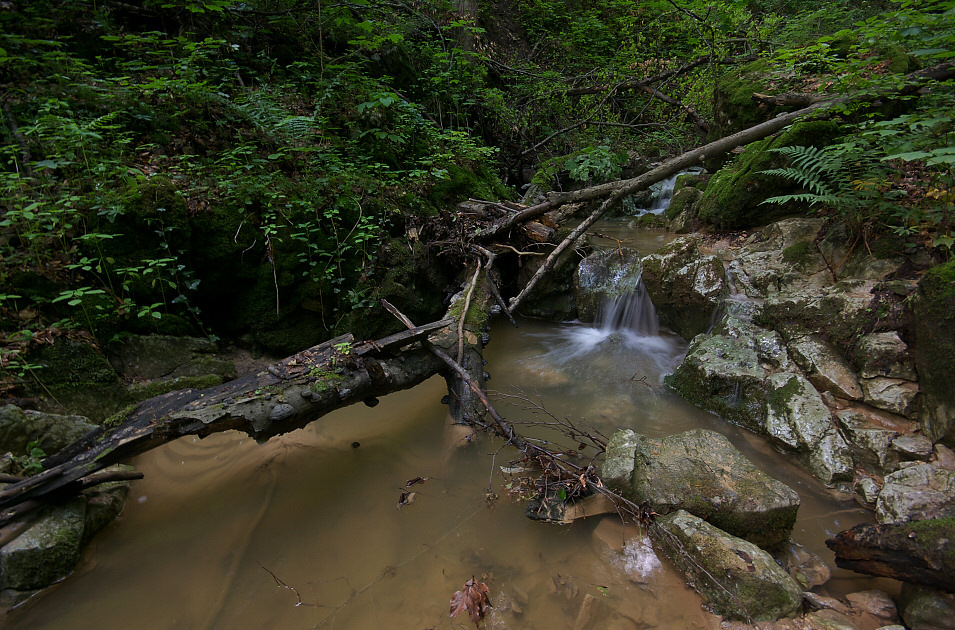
(633, 311)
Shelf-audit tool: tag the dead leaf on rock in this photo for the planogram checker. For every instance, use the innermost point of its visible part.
(415, 481)
(474, 599)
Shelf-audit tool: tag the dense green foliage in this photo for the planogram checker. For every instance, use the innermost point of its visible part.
(261, 169)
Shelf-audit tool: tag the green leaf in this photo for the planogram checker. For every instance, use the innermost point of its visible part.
(562, 494)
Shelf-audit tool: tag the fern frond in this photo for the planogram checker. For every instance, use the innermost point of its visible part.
(810, 198)
(295, 127)
(808, 179)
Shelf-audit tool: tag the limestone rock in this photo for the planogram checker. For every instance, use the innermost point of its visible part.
(723, 375)
(797, 418)
(701, 472)
(935, 351)
(913, 447)
(685, 285)
(827, 369)
(840, 310)
(152, 357)
(53, 432)
(885, 354)
(749, 578)
(891, 394)
(47, 551)
(916, 492)
(870, 444)
(780, 258)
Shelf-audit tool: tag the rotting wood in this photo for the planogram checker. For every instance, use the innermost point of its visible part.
(286, 396)
(912, 552)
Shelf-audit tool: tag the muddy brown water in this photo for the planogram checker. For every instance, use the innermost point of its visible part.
(304, 531)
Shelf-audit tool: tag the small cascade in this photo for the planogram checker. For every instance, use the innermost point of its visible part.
(662, 199)
(633, 312)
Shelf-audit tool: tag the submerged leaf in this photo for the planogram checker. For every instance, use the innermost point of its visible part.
(473, 598)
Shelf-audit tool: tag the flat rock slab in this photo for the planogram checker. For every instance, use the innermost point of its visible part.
(701, 472)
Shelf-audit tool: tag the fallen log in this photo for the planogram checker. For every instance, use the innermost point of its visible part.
(621, 188)
(921, 552)
(285, 396)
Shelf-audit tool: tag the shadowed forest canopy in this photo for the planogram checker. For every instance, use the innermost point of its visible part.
(267, 171)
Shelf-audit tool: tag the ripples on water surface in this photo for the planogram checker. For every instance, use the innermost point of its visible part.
(225, 533)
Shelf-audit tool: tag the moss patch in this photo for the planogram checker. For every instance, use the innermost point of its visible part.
(733, 198)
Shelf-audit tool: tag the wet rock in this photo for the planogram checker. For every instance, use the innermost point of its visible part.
(723, 375)
(685, 285)
(797, 418)
(18, 428)
(802, 565)
(769, 346)
(780, 258)
(935, 351)
(47, 551)
(701, 472)
(913, 447)
(750, 581)
(874, 602)
(867, 489)
(870, 444)
(885, 354)
(552, 297)
(604, 275)
(891, 394)
(827, 369)
(841, 310)
(925, 608)
(681, 213)
(917, 492)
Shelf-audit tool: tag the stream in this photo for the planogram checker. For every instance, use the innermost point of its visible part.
(304, 531)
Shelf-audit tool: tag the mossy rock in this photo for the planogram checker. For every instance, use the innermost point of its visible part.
(464, 183)
(47, 551)
(734, 107)
(734, 196)
(935, 351)
(76, 377)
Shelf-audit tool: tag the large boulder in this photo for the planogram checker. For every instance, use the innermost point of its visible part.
(604, 276)
(725, 372)
(891, 394)
(52, 432)
(885, 354)
(935, 351)
(841, 311)
(701, 472)
(686, 286)
(734, 196)
(917, 492)
(797, 418)
(47, 551)
(166, 357)
(552, 297)
(76, 376)
(737, 579)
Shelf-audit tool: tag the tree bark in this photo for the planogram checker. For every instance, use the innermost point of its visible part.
(921, 552)
(286, 396)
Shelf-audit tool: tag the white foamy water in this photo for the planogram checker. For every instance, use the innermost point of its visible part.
(638, 560)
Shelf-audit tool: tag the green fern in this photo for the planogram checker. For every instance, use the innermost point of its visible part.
(826, 173)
